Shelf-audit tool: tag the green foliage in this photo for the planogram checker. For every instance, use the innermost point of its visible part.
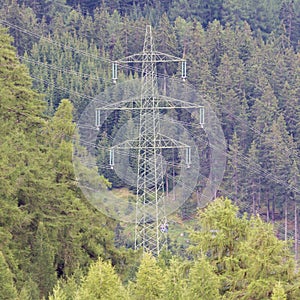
(58, 294)
(250, 80)
(150, 280)
(242, 54)
(233, 258)
(7, 288)
(47, 228)
(278, 292)
(101, 282)
(176, 279)
(203, 282)
(244, 253)
(43, 270)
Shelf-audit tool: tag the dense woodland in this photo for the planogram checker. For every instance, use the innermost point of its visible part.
(55, 56)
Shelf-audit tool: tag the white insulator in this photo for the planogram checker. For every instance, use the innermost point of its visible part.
(183, 70)
(201, 116)
(114, 72)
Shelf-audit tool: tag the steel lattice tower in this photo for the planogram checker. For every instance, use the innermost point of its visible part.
(151, 222)
(150, 215)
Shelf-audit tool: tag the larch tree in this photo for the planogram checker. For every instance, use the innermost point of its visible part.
(278, 292)
(102, 282)
(203, 282)
(244, 253)
(8, 290)
(150, 280)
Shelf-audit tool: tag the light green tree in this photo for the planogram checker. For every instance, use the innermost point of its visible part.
(176, 279)
(245, 253)
(150, 280)
(278, 292)
(7, 288)
(203, 282)
(58, 294)
(102, 282)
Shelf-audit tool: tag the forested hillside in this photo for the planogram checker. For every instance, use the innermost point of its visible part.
(55, 57)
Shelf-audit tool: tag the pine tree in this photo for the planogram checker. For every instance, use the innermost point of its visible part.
(265, 260)
(21, 16)
(166, 42)
(43, 209)
(290, 19)
(221, 232)
(182, 30)
(21, 120)
(280, 147)
(291, 110)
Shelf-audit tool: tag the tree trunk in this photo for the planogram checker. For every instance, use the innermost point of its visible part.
(253, 199)
(273, 210)
(167, 185)
(296, 233)
(268, 209)
(259, 195)
(285, 220)
(165, 80)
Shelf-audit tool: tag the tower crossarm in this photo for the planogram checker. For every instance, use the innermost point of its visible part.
(163, 102)
(165, 142)
(155, 57)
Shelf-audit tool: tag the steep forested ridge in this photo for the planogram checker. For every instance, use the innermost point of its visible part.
(244, 55)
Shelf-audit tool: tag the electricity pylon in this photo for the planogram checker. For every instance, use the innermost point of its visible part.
(150, 219)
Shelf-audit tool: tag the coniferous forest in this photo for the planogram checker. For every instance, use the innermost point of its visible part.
(55, 57)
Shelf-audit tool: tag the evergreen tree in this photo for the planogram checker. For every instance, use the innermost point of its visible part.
(150, 280)
(21, 19)
(245, 253)
(102, 282)
(230, 91)
(234, 174)
(43, 269)
(278, 292)
(176, 282)
(203, 282)
(253, 178)
(58, 294)
(291, 110)
(7, 288)
(290, 19)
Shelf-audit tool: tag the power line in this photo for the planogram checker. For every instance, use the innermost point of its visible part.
(85, 96)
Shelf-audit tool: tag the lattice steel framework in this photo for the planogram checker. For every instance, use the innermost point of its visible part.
(151, 222)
